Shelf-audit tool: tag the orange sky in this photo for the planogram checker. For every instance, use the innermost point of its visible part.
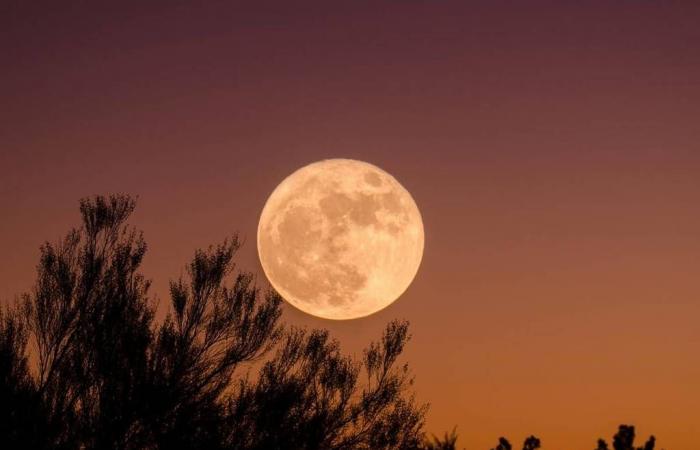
(552, 147)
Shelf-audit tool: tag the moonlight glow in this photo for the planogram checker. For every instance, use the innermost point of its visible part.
(340, 239)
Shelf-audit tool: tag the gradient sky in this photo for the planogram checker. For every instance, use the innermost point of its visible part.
(553, 148)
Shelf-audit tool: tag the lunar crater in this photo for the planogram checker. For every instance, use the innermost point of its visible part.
(337, 239)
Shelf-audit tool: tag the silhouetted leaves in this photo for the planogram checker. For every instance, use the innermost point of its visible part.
(90, 320)
(447, 442)
(19, 405)
(109, 376)
(624, 440)
(219, 372)
(531, 443)
(503, 444)
(310, 396)
(214, 329)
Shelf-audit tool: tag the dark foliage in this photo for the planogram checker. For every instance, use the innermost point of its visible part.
(503, 444)
(19, 405)
(448, 442)
(219, 371)
(84, 364)
(309, 396)
(624, 440)
(531, 443)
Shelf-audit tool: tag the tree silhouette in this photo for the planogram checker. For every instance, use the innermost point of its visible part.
(447, 442)
(531, 443)
(90, 318)
(624, 440)
(18, 400)
(85, 365)
(105, 374)
(503, 444)
(307, 397)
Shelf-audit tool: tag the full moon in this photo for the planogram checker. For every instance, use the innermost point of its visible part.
(340, 239)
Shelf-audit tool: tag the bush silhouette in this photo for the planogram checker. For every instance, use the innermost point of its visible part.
(447, 442)
(107, 375)
(624, 440)
(84, 363)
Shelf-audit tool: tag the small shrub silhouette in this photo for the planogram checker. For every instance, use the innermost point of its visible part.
(624, 440)
(447, 442)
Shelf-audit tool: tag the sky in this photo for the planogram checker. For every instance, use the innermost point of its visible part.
(552, 147)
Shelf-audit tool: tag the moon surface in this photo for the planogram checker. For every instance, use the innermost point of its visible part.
(340, 239)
